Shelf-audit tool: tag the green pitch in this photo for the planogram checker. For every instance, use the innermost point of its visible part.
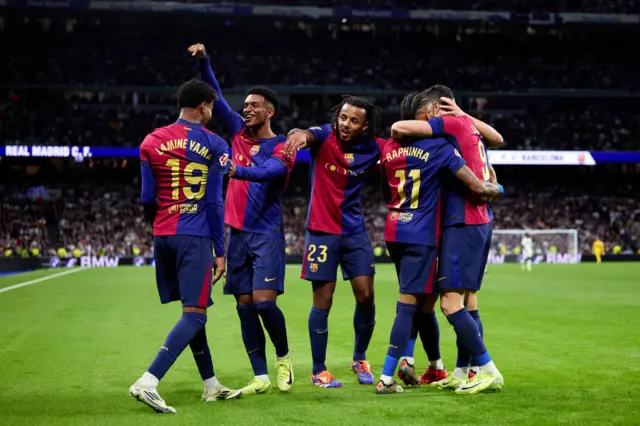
(565, 337)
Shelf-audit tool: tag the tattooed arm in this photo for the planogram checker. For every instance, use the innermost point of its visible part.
(470, 180)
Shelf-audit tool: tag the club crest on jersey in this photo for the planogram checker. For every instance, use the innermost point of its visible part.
(254, 149)
(313, 267)
(348, 158)
(224, 159)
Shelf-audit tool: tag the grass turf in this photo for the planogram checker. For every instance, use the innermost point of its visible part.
(565, 337)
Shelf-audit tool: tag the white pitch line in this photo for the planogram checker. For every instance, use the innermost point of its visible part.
(39, 280)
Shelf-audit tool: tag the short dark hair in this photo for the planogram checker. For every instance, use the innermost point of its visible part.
(371, 113)
(194, 92)
(435, 92)
(269, 94)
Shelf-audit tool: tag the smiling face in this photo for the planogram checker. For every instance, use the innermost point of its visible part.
(257, 110)
(352, 122)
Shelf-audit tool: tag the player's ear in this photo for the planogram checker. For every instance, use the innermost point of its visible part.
(270, 113)
(365, 126)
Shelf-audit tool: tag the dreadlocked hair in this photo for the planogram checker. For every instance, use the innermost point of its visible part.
(406, 106)
(371, 113)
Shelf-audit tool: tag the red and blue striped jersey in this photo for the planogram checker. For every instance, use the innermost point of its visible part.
(256, 206)
(461, 206)
(183, 165)
(252, 206)
(337, 174)
(414, 172)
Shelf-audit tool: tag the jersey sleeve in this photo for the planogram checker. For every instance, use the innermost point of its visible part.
(451, 158)
(321, 133)
(232, 120)
(148, 182)
(214, 204)
(444, 125)
(287, 159)
(219, 155)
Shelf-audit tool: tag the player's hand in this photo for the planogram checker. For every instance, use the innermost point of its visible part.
(295, 142)
(197, 50)
(219, 269)
(232, 169)
(450, 107)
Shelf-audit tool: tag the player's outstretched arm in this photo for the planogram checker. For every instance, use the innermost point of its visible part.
(272, 169)
(413, 128)
(488, 133)
(232, 120)
(298, 139)
(487, 189)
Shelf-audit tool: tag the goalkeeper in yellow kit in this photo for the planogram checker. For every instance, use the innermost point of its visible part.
(598, 250)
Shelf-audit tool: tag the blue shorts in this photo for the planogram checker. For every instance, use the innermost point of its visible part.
(254, 262)
(183, 269)
(463, 256)
(324, 252)
(416, 267)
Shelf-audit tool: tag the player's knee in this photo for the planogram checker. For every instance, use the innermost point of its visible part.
(244, 299)
(322, 301)
(451, 302)
(264, 295)
(265, 305)
(429, 303)
(195, 315)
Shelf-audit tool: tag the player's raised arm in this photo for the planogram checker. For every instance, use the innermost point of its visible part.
(490, 135)
(148, 193)
(275, 167)
(232, 120)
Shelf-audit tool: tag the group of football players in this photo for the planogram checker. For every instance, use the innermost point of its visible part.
(436, 181)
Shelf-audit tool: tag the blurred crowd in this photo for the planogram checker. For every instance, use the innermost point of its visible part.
(87, 220)
(124, 50)
(583, 126)
(590, 6)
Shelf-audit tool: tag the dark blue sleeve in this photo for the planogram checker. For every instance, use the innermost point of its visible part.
(232, 120)
(321, 133)
(437, 125)
(148, 193)
(450, 157)
(214, 204)
(272, 169)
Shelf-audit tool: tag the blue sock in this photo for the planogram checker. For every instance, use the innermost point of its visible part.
(186, 328)
(364, 320)
(400, 335)
(273, 321)
(202, 354)
(430, 334)
(253, 338)
(319, 335)
(467, 331)
(411, 346)
(476, 317)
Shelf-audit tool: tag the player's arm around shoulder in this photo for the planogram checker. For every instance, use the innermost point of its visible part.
(277, 166)
(411, 128)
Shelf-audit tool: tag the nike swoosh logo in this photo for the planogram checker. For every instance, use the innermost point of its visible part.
(250, 352)
(442, 278)
(270, 279)
(290, 379)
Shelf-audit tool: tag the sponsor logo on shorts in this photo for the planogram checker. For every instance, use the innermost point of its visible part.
(270, 279)
(313, 267)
